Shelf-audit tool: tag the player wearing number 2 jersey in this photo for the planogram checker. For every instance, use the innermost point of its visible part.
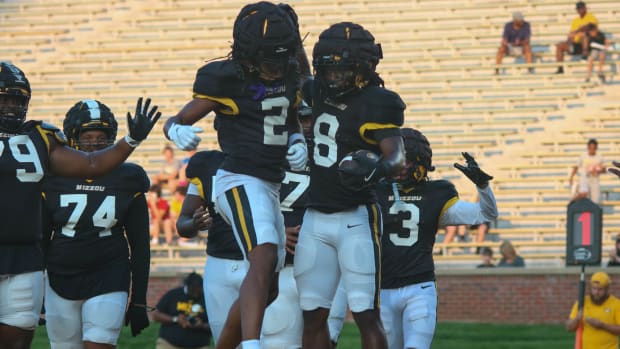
(28, 151)
(94, 223)
(339, 237)
(413, 208)
(254, 95)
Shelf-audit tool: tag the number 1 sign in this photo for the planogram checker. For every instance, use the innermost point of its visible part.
(584, 221)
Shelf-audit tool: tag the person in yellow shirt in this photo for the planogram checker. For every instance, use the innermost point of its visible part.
(600, 315)
(576, 43)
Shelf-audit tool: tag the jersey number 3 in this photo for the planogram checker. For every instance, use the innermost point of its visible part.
(410, 224)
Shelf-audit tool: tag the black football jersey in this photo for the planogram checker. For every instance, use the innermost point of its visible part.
(251, 118)
(409, 229)
(221, 242)
(357, 121)
(88, 219)
(24, 160)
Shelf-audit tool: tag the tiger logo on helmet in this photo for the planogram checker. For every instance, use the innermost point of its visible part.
(87, 115)
(266, 38)
(13, 86)
(345, 59)
(418, 151)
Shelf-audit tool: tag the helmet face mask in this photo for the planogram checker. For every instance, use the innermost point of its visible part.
(14, 97)
(419, 158)
(344, 59)
(90, 126)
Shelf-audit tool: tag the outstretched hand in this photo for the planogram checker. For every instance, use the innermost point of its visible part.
(141, 124)
(616, 169)
(473, 171)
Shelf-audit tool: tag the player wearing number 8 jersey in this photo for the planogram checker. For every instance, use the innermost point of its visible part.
(339, 237)
(28, 151)
(254, 95)
(413, 208)
(93, 225)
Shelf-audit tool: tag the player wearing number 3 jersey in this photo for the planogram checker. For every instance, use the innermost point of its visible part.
(340, 232)
(254, 95)
(29, 151)
(93, 226)
(413, 208)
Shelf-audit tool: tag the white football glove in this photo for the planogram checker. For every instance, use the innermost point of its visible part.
(184, 136)
(297, 156)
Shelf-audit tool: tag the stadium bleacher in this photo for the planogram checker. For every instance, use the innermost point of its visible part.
(525, 129)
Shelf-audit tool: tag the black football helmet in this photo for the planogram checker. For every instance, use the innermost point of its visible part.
(418, 151)
(345, 59)
(14, 97)
(89, 114)
(265, 38)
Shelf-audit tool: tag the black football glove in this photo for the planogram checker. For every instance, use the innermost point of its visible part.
(364, 169)
(144, 120)
(136, 318)
(615, 170)
(473, 172)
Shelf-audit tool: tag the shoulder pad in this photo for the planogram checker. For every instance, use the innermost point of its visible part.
(49, 129)
(446, 188)
(383, 104)
(220, 78)
(204, 164)
(135, 177)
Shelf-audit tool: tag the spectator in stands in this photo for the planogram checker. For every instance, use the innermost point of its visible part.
(169, 172)
(515, 40)
(184, 162)
(614, 255)
(458, 231)
(598, 44)
(486, 256)
(482, 230)
(590, 166)
(183, 317)
(600, 315)
(160, 215)
(575, 44)
(509, 256)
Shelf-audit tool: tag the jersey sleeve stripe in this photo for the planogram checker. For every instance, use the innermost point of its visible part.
(198, 183)
(231, 107)
(372, 126)
(44, 136)
(242, 216)
(446, 206)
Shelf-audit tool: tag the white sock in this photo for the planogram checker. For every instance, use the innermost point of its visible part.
(250, 344)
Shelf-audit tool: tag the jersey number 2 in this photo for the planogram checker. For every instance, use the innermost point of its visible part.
(411, 224)
(104, 217)
(274, 126)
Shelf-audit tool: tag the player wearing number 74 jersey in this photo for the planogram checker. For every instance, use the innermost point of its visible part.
(413, 208)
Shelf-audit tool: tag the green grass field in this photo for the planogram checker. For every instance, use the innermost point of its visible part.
(448, 335)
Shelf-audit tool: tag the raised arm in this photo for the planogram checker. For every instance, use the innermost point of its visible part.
(68, 162)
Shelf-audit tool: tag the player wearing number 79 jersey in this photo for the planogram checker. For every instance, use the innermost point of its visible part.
(413, 208)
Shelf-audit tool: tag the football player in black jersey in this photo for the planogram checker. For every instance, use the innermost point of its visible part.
(283, 323)
(339, 237)
(254, 95)
(414, 207)
(96, 243)
(28, 151)
(225, 267)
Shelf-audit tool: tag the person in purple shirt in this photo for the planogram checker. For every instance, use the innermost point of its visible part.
(515, 41)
